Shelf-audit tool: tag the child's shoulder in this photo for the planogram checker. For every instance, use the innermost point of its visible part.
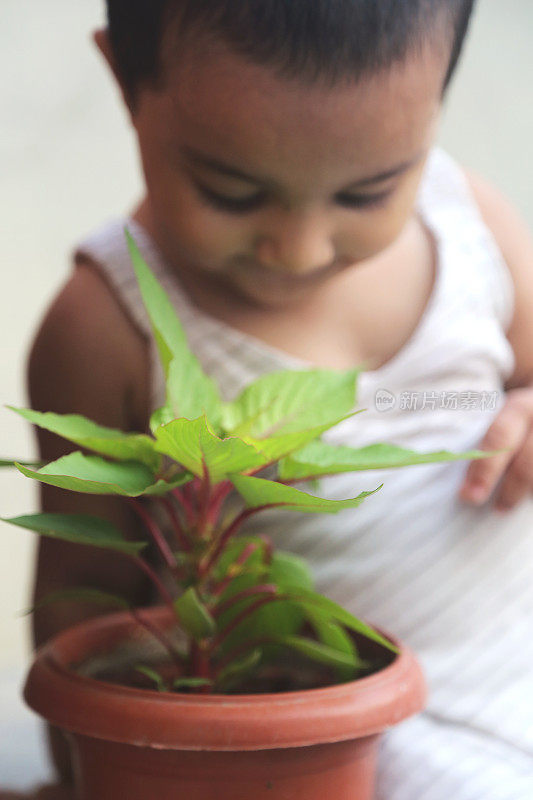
(515, 242)
(504, 221)
(87, 357)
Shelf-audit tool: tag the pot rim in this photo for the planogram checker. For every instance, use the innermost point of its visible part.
(90, 707)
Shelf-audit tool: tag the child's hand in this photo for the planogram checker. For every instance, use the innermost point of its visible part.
(511, 430)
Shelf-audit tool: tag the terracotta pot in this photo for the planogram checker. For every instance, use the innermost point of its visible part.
(143, 745)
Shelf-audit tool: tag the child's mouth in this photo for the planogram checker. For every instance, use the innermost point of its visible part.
(288, 278)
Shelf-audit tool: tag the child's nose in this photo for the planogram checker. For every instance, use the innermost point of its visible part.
(299, 247)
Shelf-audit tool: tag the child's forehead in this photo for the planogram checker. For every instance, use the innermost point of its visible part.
(230, 107)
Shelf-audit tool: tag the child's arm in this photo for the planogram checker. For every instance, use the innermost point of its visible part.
(512, 427)
(87, 359)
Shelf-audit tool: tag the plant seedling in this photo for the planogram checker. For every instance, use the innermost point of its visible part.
(235, 600)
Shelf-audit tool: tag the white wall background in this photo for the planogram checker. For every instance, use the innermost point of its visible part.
(68, 162)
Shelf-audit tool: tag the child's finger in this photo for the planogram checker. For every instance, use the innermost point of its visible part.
(518, 480)
(507, 432)
(512, 492)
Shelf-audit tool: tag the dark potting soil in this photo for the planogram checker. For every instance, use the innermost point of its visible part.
(290, 672)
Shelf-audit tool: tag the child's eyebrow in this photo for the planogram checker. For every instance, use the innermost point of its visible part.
(204, 160)
(214, 164)
(389, 173)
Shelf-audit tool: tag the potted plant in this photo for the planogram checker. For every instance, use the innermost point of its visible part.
(244, 682)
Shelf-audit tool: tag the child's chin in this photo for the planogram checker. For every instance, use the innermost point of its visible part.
(277, 289)
(269, 293)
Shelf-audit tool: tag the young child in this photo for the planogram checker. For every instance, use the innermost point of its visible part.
(298, 213)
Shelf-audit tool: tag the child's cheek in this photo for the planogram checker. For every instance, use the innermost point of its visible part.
(371, 234)
(210, 238)
(391, 221)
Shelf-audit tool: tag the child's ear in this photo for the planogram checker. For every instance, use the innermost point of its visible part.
(101, 40)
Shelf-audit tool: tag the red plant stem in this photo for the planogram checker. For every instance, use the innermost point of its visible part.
(242, 616)
(226, 535)
(159, 635)
(269, 547)
(247, 552)
(204, 496)
(219, 494)
(200, 662)
(156, 535)
(200, 666)
(190, 490)
(184, 501)
(178, 527)
(242, 559)
(252, 591)
(156, 580)
(206, 482)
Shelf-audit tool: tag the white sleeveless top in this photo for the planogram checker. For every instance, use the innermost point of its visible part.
(453, 581)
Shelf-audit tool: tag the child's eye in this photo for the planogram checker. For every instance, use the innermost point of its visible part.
(235, 205)
(243, 205)
(363, 200)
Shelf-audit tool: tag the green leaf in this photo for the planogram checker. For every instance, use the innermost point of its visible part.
(106, 441)
(94, 475)
(237, 670)
(160, 417)
(280, 616)
(276, 447)
(161, 486)
(168, 331)
(14, 461)
(284, 570)
(259, 491)
(291, 400)
(334, 636)
(191, 683)
(190, 442)
(154, 676)
(78, 528)
(190, 392)
(321, 458)
(313, 601)
(330, 633)
(83, 594)
(194, 617)
(318, 651)
(288, 570)
(231, 553)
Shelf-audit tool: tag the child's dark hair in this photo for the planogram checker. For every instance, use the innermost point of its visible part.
(309, 39)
